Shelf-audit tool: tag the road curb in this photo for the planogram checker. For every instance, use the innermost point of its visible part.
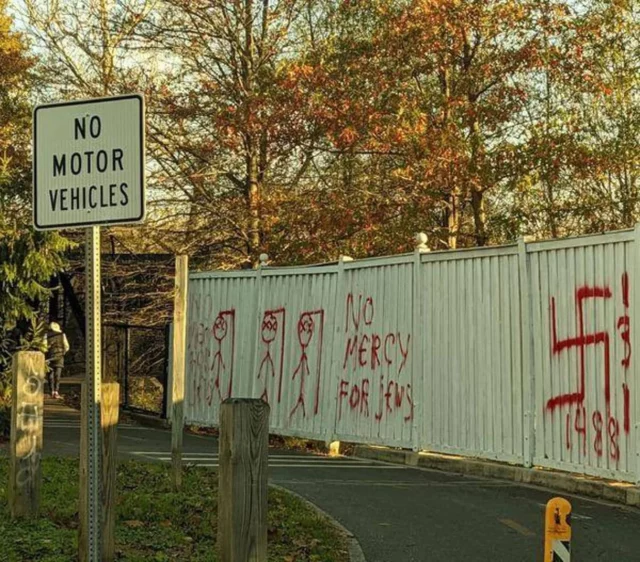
(146, 420)
(616, 492)
(355, 550)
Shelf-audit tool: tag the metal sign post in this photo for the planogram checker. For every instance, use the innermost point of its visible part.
(89, 170)
(92, 456)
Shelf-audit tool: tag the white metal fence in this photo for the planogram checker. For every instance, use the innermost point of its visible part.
(520, 353)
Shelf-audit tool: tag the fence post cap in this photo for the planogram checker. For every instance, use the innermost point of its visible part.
(526, 238)
(421, 242)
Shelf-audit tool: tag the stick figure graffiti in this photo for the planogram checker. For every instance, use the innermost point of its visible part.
(222, 326)
(306, 331)
(268, 333)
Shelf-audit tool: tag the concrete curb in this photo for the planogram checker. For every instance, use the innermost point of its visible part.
(146, 420)
(617, 492)
(355, 551)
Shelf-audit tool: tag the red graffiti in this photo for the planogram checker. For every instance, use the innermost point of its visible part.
(306, 332)
(209, 355)
(613, 429)
(392, 397)
(627, 416)
(624, 323)
(220, 330)
(597, 425)
(361, 312)
(357, 396)
(581, 342)
(625, 333)
(625, 289)
(371, 349)
(273, 323)
(579, 425)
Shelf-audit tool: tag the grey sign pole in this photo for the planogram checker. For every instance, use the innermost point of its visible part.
(92, 389)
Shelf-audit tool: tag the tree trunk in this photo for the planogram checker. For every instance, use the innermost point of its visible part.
(452, 198)
(253, 202)
(475, 182)
(479, 216)
(254, 191)
(453, 220)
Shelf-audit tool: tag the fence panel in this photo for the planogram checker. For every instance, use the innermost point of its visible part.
(374, 358)
(293, 369)
(220, 342)
(472, 363)
(582, 360)
(332, 349)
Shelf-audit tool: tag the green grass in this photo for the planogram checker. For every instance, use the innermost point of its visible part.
(156, 524)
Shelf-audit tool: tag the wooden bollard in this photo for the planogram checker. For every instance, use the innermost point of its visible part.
(242, 496)
(178, 365)
(25, 473)
(109, 405)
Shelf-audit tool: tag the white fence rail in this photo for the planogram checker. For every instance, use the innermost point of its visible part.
(520, 353)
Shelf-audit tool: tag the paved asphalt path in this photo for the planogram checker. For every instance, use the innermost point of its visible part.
(401, 514)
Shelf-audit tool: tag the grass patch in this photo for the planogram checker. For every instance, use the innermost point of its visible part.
(156, 524)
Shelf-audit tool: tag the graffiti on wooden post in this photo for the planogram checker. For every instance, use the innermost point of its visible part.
(29, 419)
(26, 432)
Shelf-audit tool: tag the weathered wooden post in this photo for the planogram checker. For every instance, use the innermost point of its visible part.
(127, 361)
(83, 541)
(110, 405)
(25, 474)
(177, 367)
(242, 502)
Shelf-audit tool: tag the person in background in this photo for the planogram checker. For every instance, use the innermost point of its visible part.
(57, 347)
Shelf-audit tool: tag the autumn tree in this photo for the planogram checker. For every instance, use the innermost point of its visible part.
(607, 163)
(27, 258)
(444, 86)
(230, 132)
(310, 128)
(90, 50)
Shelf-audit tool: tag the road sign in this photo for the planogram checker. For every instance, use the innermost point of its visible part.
(88, 170)
(88, 163)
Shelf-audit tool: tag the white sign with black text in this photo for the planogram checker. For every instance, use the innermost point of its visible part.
(89, 163)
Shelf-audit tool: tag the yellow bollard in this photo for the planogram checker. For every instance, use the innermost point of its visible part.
(557, 532)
